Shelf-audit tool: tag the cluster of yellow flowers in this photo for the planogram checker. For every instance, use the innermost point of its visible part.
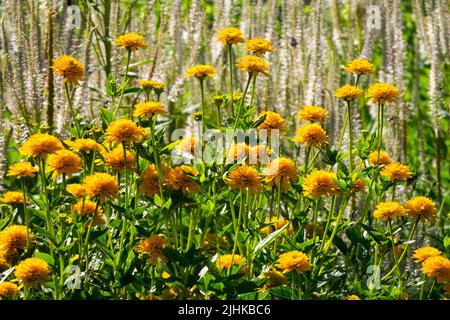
(434, 265)
(98, 162)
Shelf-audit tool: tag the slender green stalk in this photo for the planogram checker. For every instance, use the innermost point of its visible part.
(86, 241)
(72, 112)
(125, 77)
(157, 157)
(341, 137)
(203, 105)
(315, 214)
(391, 235)
(422, 288)
(307, 153)
(399, 261)
(350, 136)
(236, 235)
(329, 218)
(241, 103)
(230, 62)
(253, 91)
(25, 212)
(337, 223)
(380, 115)
(126, 172)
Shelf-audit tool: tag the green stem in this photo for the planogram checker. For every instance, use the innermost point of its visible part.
(350, 136)
(86, 241)
(203, 106)
(126, 172)
(253, 91)
(329, 218)
(341, 137)
(125, 77)
(336, 226)
(72, 112)
(157, 157)
(236, 236)
(380, 115)
(307, 153)
(25, 213)
(399, 261)
(422, 288)
(230, 61)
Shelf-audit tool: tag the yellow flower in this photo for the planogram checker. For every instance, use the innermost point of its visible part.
(237, 96)
(13, 240)
(245, 178)
(258, 46)
(225, 262)
(352, 297)
(358, 185)
(258, 154)
(320, 183)
(201, 71)
(32, 271)
(125, 131)
(293, 260)
(148, 109)
(188, 144)
(77, 190)
(254, 65)
(8, 290)
(101, 185)
(230, 36)
(389, 210)
(382, 93)
(313, 114)
(424, 253)
(437, 267)
(87, 208)
(22, 170)
(396, 172)
(70, 68)
(179, 179)
(64, 162)
(13, 197)
(83, 145)
(149, 85)
(273, 121)
(273, 224)
(274, 278)
(40, 145)
(152, 248)
(359, 66)
(311, 134)
(4, 265)
(348, 92)
(421, 207)
(238, 152)
(116, 160)
(281, 171)
(131, 41)
(150, 182)
(383, 159)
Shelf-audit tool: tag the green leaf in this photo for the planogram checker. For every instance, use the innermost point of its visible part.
(46, 257)
(267, 240)
(447, 241)
(107, 116)
(111, 86)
